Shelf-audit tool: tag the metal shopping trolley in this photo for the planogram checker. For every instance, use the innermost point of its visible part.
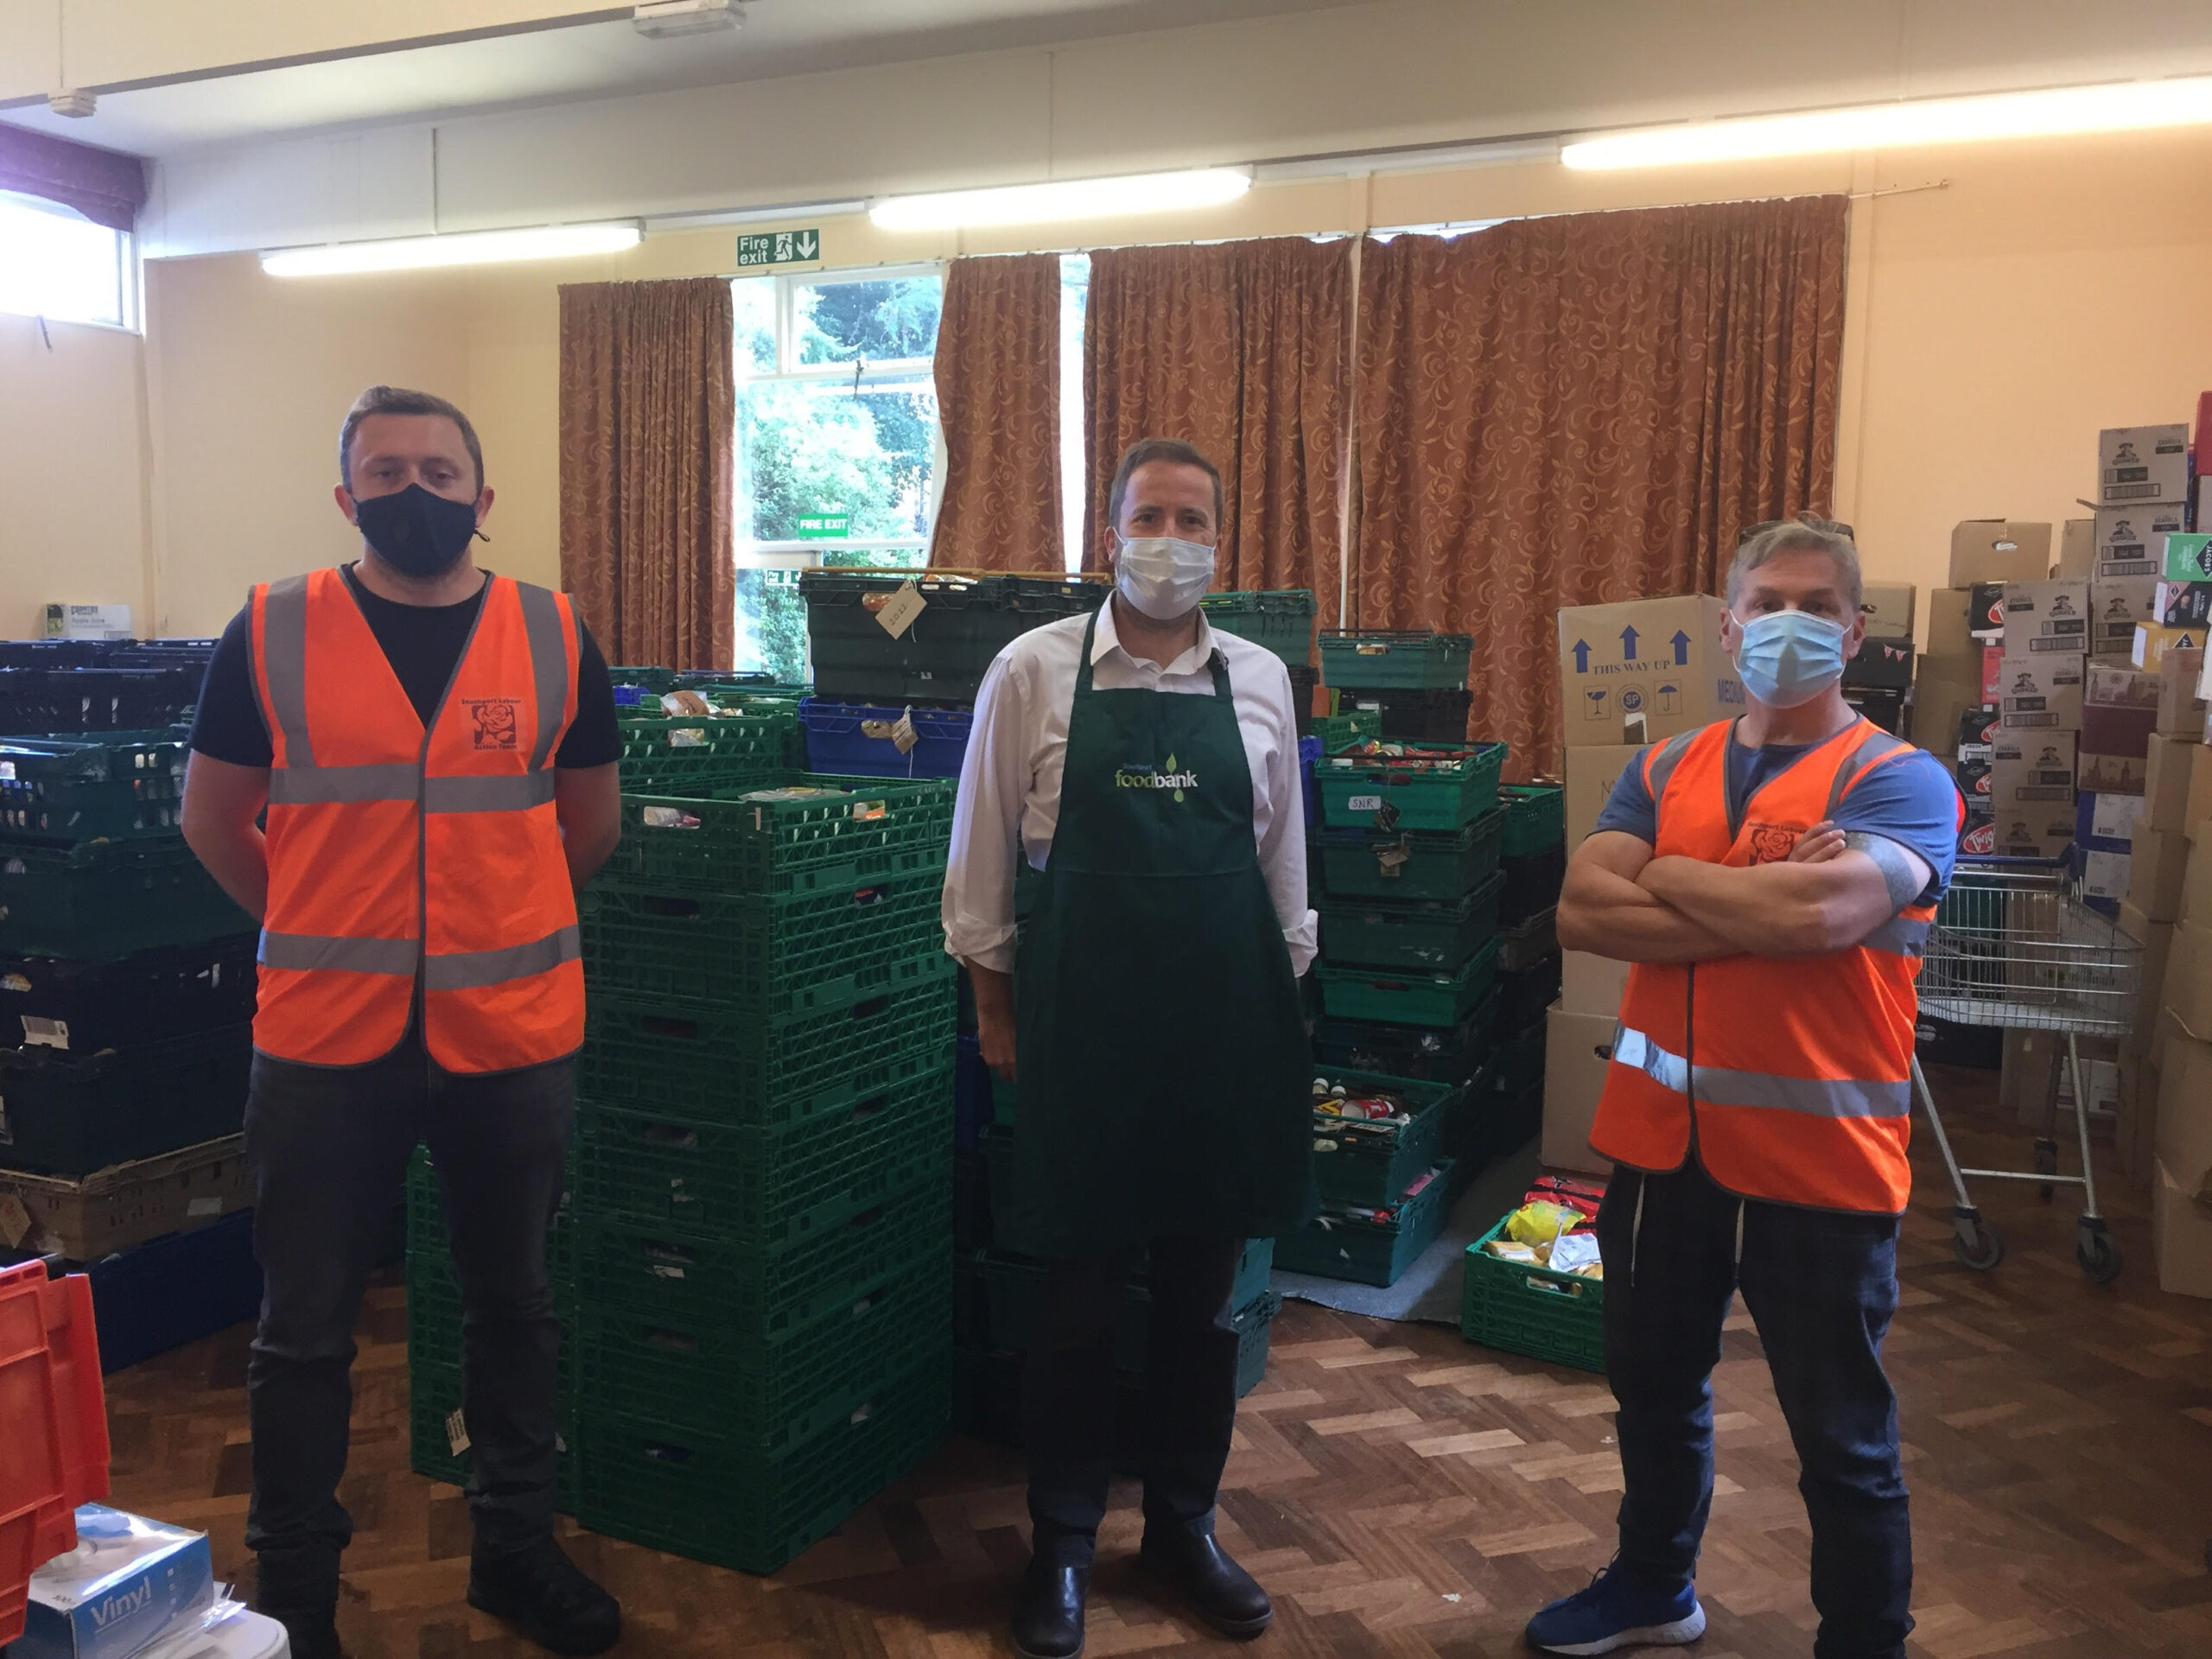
(2013, 945)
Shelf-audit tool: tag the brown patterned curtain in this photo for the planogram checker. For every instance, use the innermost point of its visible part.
(1580, 409)
(648, 420)
(1243, 350)
(998, 396)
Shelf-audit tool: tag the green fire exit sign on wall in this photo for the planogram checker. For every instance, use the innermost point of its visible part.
(779, 248)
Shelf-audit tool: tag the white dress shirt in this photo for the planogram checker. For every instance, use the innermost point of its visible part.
(1010, 783)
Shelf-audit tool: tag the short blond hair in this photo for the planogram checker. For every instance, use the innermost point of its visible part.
(1803, 534)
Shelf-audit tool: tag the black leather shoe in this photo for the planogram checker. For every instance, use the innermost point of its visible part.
(547, 1598)
(1222, 1593)
(1048, 1618)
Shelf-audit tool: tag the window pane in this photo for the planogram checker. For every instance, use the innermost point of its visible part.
(55, 265)
(770, 624)
(1074, 293)
(882, 321)
(754, 298)
(814, 450)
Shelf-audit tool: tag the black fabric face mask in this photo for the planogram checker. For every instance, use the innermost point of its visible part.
(417, 533)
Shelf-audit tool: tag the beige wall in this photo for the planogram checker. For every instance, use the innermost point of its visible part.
(73, 477)
(2050, 289)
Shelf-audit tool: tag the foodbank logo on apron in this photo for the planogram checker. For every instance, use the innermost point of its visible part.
(1145, 777)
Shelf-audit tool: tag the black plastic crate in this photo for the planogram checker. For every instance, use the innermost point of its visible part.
(1302, 683)
(1532, 881)
(70, 1114)
(84, 1007)
(1523, 993)
(1426, 715)
(55, 702)
(942, 655)
(1420, 1052)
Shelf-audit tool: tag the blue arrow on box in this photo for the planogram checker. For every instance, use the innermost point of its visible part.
(1628, 643)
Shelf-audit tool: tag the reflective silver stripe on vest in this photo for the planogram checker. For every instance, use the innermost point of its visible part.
(310, 952)
(1718, 1086)
(549, 665)
(310, 785)
(284, 660)
(1898, 937)
(466, 970)
(513, 792)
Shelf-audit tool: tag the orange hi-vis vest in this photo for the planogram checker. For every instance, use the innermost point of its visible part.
(1790, 1079)
(396, 852)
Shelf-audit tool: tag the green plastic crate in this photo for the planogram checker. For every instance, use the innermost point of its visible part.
(687, 754)
(1429, 935)
(1356, 659)
(1367, 1162)
(1280, 619)
(707, 1374)
(1427, 788)
(861, 830)
(1341, 731)
(433, 1401)
(1411, 864)
(1519, 1309)
(1371, 1248)
(773, 1187)
(655, 680)
(1517, 1061)
(101, 900)
(779, 958)
(1536, 818)
(730, 1504)
(91, 788)
(714, 1066)
(1397, 998)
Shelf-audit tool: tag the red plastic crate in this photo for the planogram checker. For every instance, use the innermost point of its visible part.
(54, 1453)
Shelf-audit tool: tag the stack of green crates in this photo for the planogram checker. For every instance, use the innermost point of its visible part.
(702, 754)
(1533, 861)
(763, 1202)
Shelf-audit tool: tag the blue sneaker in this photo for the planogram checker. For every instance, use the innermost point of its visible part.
(1615, 1611)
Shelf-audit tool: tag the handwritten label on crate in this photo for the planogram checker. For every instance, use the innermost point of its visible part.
(899, 610)
(899, 733)
(456, 1432)
(1365, 804)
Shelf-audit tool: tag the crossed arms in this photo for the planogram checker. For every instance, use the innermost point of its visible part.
(1836, 887)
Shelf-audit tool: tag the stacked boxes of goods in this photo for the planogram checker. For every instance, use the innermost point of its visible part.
(1878, 680)
(126, 1003)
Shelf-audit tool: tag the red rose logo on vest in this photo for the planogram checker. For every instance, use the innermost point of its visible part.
(1771, 842)
(496, 719)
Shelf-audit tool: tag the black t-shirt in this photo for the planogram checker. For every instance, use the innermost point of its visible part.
(423, 644)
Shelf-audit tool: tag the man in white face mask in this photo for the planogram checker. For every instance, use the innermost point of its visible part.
(1134, 775)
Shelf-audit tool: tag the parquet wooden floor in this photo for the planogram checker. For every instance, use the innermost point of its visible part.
(1405, 1494)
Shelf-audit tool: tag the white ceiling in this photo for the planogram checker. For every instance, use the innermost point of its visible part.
(592, 61)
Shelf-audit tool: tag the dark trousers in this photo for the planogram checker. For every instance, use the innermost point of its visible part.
(1190, 1393)
(329, 1148)
(1823, 1287)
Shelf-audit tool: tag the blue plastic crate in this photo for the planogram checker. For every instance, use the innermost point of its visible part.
(1309, 752)
(854, 738)
(175, 1289)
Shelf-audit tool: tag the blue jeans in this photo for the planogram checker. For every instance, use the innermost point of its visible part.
(1823, 1287)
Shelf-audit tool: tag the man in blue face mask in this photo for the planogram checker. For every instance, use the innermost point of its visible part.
(1771, 879)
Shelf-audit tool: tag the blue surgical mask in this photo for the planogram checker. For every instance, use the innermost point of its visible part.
(1788, 657)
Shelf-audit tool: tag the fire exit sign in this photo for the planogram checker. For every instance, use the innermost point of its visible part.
(824, 526)
(779, 248)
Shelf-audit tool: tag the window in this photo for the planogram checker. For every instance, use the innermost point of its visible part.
(1075, 291)
(838, 447)
(54, 262)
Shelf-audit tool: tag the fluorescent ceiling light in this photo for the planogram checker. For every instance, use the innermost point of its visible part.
(1029, 204)
(670, 20)
(461, 248)
(2124, 107)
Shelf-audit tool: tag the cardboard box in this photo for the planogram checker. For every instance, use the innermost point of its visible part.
(1998, 549)
(1976, 776)
(1941, 709)
(2041, 693)
(2161, 863)
(128, 1204)
(1881, 663)
(2181, 605)
(2185, 1105)
(1981, 722)
(112, 1601)
(2077, 548)
(88, 622)
(2131, 540)
(1643, 670)
(2031, 833)
(1591, 774)
(1978, 833)
(1577, 1047)
(2134, 1137)
(2110, 774)
(2046, 616)
(2180, 1236)
(2116, 604)
(2181, 710)
(1950, 638)
(2104, 875)
(1888, 608)
(2187, 557)
(2143, 463)
(2187, 993)
(2156, 939)
(2198, 812)
(2032, 771)
(2151, 645)
(2195, 902)
(2165, 782)
(2106, 821)
(1592, 984)
(2120, 705)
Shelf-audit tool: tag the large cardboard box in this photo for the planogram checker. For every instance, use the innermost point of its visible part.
(2031, 772)
(1592, 984)
(2181, 710)
(2120, 705)
(2110, 774)
(1643, 670)
(2046, 616)
(2181, 605)
(2181, 1234)
(2185, 1067)
(2161, 859)
(2151, 645)
(2041, 693)
(2131, 540)
(1887, 607)
(2166, 771)
(1591, 774)
(1577, 1047)
(1950, 632)
(2117, 604)
(2195, 904)
(2143, 463)
(1998, 549)
(2029, 831)
(2077, 548)
(2134, 1137)
(2199, 809)
(2156, 939)
(2187, 993)
(2187, 556)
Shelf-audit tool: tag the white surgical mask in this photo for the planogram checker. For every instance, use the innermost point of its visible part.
(1164, 576)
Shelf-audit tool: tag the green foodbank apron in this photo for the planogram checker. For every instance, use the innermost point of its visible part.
(1165, 1073)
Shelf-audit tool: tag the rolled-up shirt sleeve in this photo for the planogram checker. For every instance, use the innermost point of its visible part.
(978, 906)
(1282, 847)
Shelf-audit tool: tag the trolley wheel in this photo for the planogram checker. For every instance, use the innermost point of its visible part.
(2099, 1257)
(2046, 1161)
(1987, 1250)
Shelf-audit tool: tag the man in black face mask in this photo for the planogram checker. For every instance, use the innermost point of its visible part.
(435, 748)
